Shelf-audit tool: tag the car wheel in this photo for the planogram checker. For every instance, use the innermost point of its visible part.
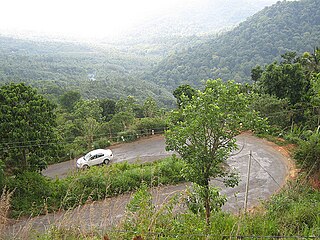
(85, 167)
(106, 161)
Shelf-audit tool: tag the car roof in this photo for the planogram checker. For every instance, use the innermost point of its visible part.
(93, 152)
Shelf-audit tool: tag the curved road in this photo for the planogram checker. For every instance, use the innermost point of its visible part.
(269, 169)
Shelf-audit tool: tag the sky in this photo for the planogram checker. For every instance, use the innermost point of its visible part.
(80, 18)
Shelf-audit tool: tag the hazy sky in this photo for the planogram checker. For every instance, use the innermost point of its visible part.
(81, 18)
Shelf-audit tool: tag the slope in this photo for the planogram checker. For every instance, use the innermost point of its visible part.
(96, 72)
(285, 26)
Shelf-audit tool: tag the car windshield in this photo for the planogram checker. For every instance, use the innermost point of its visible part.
(87, 156)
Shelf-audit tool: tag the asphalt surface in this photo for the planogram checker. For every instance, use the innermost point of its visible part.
(269, 168)
(144, 150)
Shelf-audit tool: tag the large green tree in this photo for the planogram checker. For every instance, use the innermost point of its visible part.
(69, 99)
(285, 80)
(203, 132)
(27, 126)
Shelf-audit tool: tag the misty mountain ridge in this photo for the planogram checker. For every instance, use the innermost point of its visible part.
(263, 38)
(152, 63)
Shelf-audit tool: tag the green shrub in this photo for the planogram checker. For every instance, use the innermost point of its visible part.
(144, 126)
(102, 143)
(296, 210)
(127, 136)
(31, 193)
(35, 193)
(308, 153)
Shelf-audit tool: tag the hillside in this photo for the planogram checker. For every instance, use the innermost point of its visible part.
(285, 26)
(96, 72)
(198, 17)
(115, 68)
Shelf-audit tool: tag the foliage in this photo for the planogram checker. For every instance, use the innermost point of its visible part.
(308, 153)
(203, 132)
(184, 93)
(144, 126)
(69, 99)
(121, 121)
(31, 193)
(285, 26)
(127, 136)
(196, 195)
(108, 108)
(36, 194)
(274, 109)
(102, 143)
(291, 213)
(96, 72)
(285, 80)
(27, 125)
(295, 209)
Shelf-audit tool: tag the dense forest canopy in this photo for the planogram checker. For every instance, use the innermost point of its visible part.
(153, 65)
(285, 26)
(115, 69)
(95, 71)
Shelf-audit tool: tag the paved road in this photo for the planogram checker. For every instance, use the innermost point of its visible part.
(270, 167)
(143, 150)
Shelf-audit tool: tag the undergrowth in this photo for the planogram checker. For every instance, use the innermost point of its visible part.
(292, 213)
(35, 194)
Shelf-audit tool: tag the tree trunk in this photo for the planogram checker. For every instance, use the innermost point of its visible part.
(207, 202)
(24, 156)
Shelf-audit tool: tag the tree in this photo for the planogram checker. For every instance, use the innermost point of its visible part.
(286, 80)
(184, 93)
(69, 99)
(28, 129)
(108, 108)
(88, 119)
(256, 73)
(150, 108)
(203, 132)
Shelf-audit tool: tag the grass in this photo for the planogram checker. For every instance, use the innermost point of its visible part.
(294, 211)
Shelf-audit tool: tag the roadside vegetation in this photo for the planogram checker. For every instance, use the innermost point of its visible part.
(34, 194)
(283, 102)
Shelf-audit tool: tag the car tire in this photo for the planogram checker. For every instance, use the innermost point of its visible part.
(106, 161)
(85, 167)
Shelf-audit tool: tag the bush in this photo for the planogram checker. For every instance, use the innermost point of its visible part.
(35, 193)
(296, 210)
(144, 126)
(102, 143)
(127, 136)
(308, 153)
(31, 193)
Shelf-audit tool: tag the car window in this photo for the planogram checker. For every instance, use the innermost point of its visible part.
(87, 156)
(96, 156)
(99, 155)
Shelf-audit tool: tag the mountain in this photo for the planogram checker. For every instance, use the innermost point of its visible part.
(115, 69)
(198, 17)
(94, 71)
(284, 26)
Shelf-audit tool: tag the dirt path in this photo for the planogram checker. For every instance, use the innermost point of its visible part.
(270, 167)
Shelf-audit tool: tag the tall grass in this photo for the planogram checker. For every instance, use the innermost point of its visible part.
(35, 194)
(5, 198)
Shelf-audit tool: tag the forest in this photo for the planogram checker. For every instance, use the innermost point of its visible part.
(282, 105)
(60, 100)
(285, 26)
(153, 66)
(95, 71)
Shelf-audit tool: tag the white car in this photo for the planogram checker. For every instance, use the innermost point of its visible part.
(95, 157)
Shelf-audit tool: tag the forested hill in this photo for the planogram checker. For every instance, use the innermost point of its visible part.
(94, 71)
(285, 26)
